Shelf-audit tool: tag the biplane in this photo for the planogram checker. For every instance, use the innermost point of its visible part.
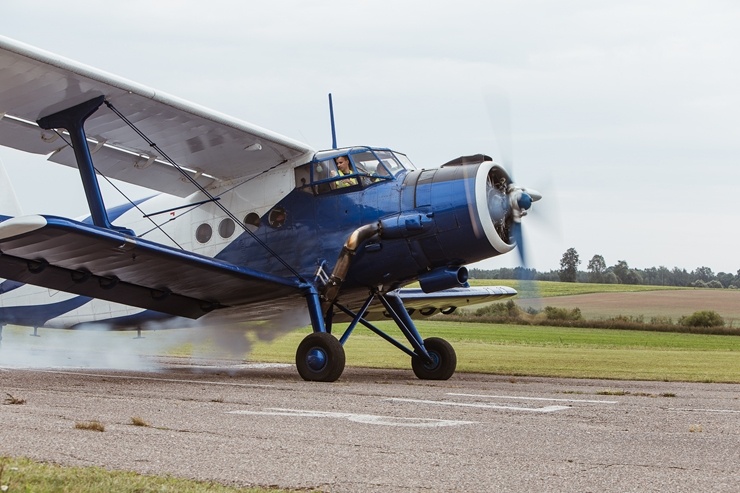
(243, 224)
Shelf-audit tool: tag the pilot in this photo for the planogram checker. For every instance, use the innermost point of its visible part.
(344, 169)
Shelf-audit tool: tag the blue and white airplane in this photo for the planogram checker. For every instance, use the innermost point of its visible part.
(245, 224)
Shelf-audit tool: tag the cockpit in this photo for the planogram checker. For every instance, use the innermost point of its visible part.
(349, 169)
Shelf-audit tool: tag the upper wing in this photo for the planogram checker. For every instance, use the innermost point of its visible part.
(66, 255)
(211, 146)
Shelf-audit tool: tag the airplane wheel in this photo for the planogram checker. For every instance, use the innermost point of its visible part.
(445, 360)
(320, 358)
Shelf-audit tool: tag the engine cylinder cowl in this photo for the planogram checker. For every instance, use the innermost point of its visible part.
(444, 278)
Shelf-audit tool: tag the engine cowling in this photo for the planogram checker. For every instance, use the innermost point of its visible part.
(463, 212)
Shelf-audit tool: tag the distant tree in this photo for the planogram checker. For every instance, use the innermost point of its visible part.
(725, 278)
(703, 274)
(663, 277)
(680, 277)
(633, 277)
(611, 278)
(620, 269)
(596, 267)
(569, 265)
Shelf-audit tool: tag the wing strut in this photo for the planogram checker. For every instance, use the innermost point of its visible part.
(73, 121)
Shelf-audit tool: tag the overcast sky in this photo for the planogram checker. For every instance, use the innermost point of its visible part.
(625, 115)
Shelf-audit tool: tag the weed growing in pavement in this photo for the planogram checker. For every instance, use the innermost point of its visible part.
(137, 421)
(14, 400)
(90, 425)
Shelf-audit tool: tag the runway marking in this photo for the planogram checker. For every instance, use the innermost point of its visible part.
(720, 411)
(131, 377)
(370, 419)
(513, 397)
(546, 409)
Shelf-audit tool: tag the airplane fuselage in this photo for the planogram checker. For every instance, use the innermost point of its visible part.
(418, 224)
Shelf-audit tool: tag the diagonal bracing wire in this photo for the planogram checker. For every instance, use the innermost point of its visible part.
(195, 183)
(156, 226)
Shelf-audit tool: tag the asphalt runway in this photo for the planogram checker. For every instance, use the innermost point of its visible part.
(378, 430)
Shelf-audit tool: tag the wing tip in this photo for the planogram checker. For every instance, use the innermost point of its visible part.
(21, 225)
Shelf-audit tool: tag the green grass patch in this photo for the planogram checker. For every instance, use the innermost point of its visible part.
(547, 351)
(22, 474)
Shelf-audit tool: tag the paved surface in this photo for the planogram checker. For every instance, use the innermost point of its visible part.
(379, 430)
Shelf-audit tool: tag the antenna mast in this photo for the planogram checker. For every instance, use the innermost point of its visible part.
(333, 128)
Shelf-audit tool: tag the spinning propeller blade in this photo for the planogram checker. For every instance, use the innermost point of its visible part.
(518, 199)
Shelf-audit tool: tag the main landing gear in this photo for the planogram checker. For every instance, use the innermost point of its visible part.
(320, 356)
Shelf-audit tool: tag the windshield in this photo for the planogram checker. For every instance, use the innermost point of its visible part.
(378, 163)
(350, 168)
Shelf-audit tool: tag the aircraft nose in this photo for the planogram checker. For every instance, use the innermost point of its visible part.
(508, 203)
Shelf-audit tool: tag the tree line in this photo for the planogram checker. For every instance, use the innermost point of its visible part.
(597, 271)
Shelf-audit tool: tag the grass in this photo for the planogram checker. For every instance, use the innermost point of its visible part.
(90, 425)
(19, 474)
(137, 421)
(548, 351)
(12, 400)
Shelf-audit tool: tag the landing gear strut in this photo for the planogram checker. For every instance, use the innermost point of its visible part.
(320, 356)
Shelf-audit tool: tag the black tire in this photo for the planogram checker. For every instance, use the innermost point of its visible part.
(445, 360)
(320, 358)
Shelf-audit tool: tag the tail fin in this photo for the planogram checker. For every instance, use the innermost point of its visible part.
(8, 201)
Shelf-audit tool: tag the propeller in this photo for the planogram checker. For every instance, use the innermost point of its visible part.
(508, 202)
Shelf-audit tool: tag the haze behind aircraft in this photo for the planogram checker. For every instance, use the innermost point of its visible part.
(247, 224)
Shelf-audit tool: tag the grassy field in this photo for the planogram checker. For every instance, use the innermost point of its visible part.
(548, 351)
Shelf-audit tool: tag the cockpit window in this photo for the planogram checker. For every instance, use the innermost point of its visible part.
(359, 167)
(330, 174)
(379, 163)
(405, 161)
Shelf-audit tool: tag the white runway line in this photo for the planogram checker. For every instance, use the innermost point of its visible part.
(546, 409)
(514, 397)
(370, 419)
(696, 410)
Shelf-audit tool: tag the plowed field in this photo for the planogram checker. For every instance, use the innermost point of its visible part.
(673, 304)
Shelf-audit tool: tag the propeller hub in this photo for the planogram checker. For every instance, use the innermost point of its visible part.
(524, 201)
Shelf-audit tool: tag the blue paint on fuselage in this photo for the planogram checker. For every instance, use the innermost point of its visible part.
(38, 315)
(117, 211)
(317, 227)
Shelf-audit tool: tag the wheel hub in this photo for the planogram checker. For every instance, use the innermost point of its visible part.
(435, 361)
(316, 359)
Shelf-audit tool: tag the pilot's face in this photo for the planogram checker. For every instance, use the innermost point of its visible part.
(343, 164)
